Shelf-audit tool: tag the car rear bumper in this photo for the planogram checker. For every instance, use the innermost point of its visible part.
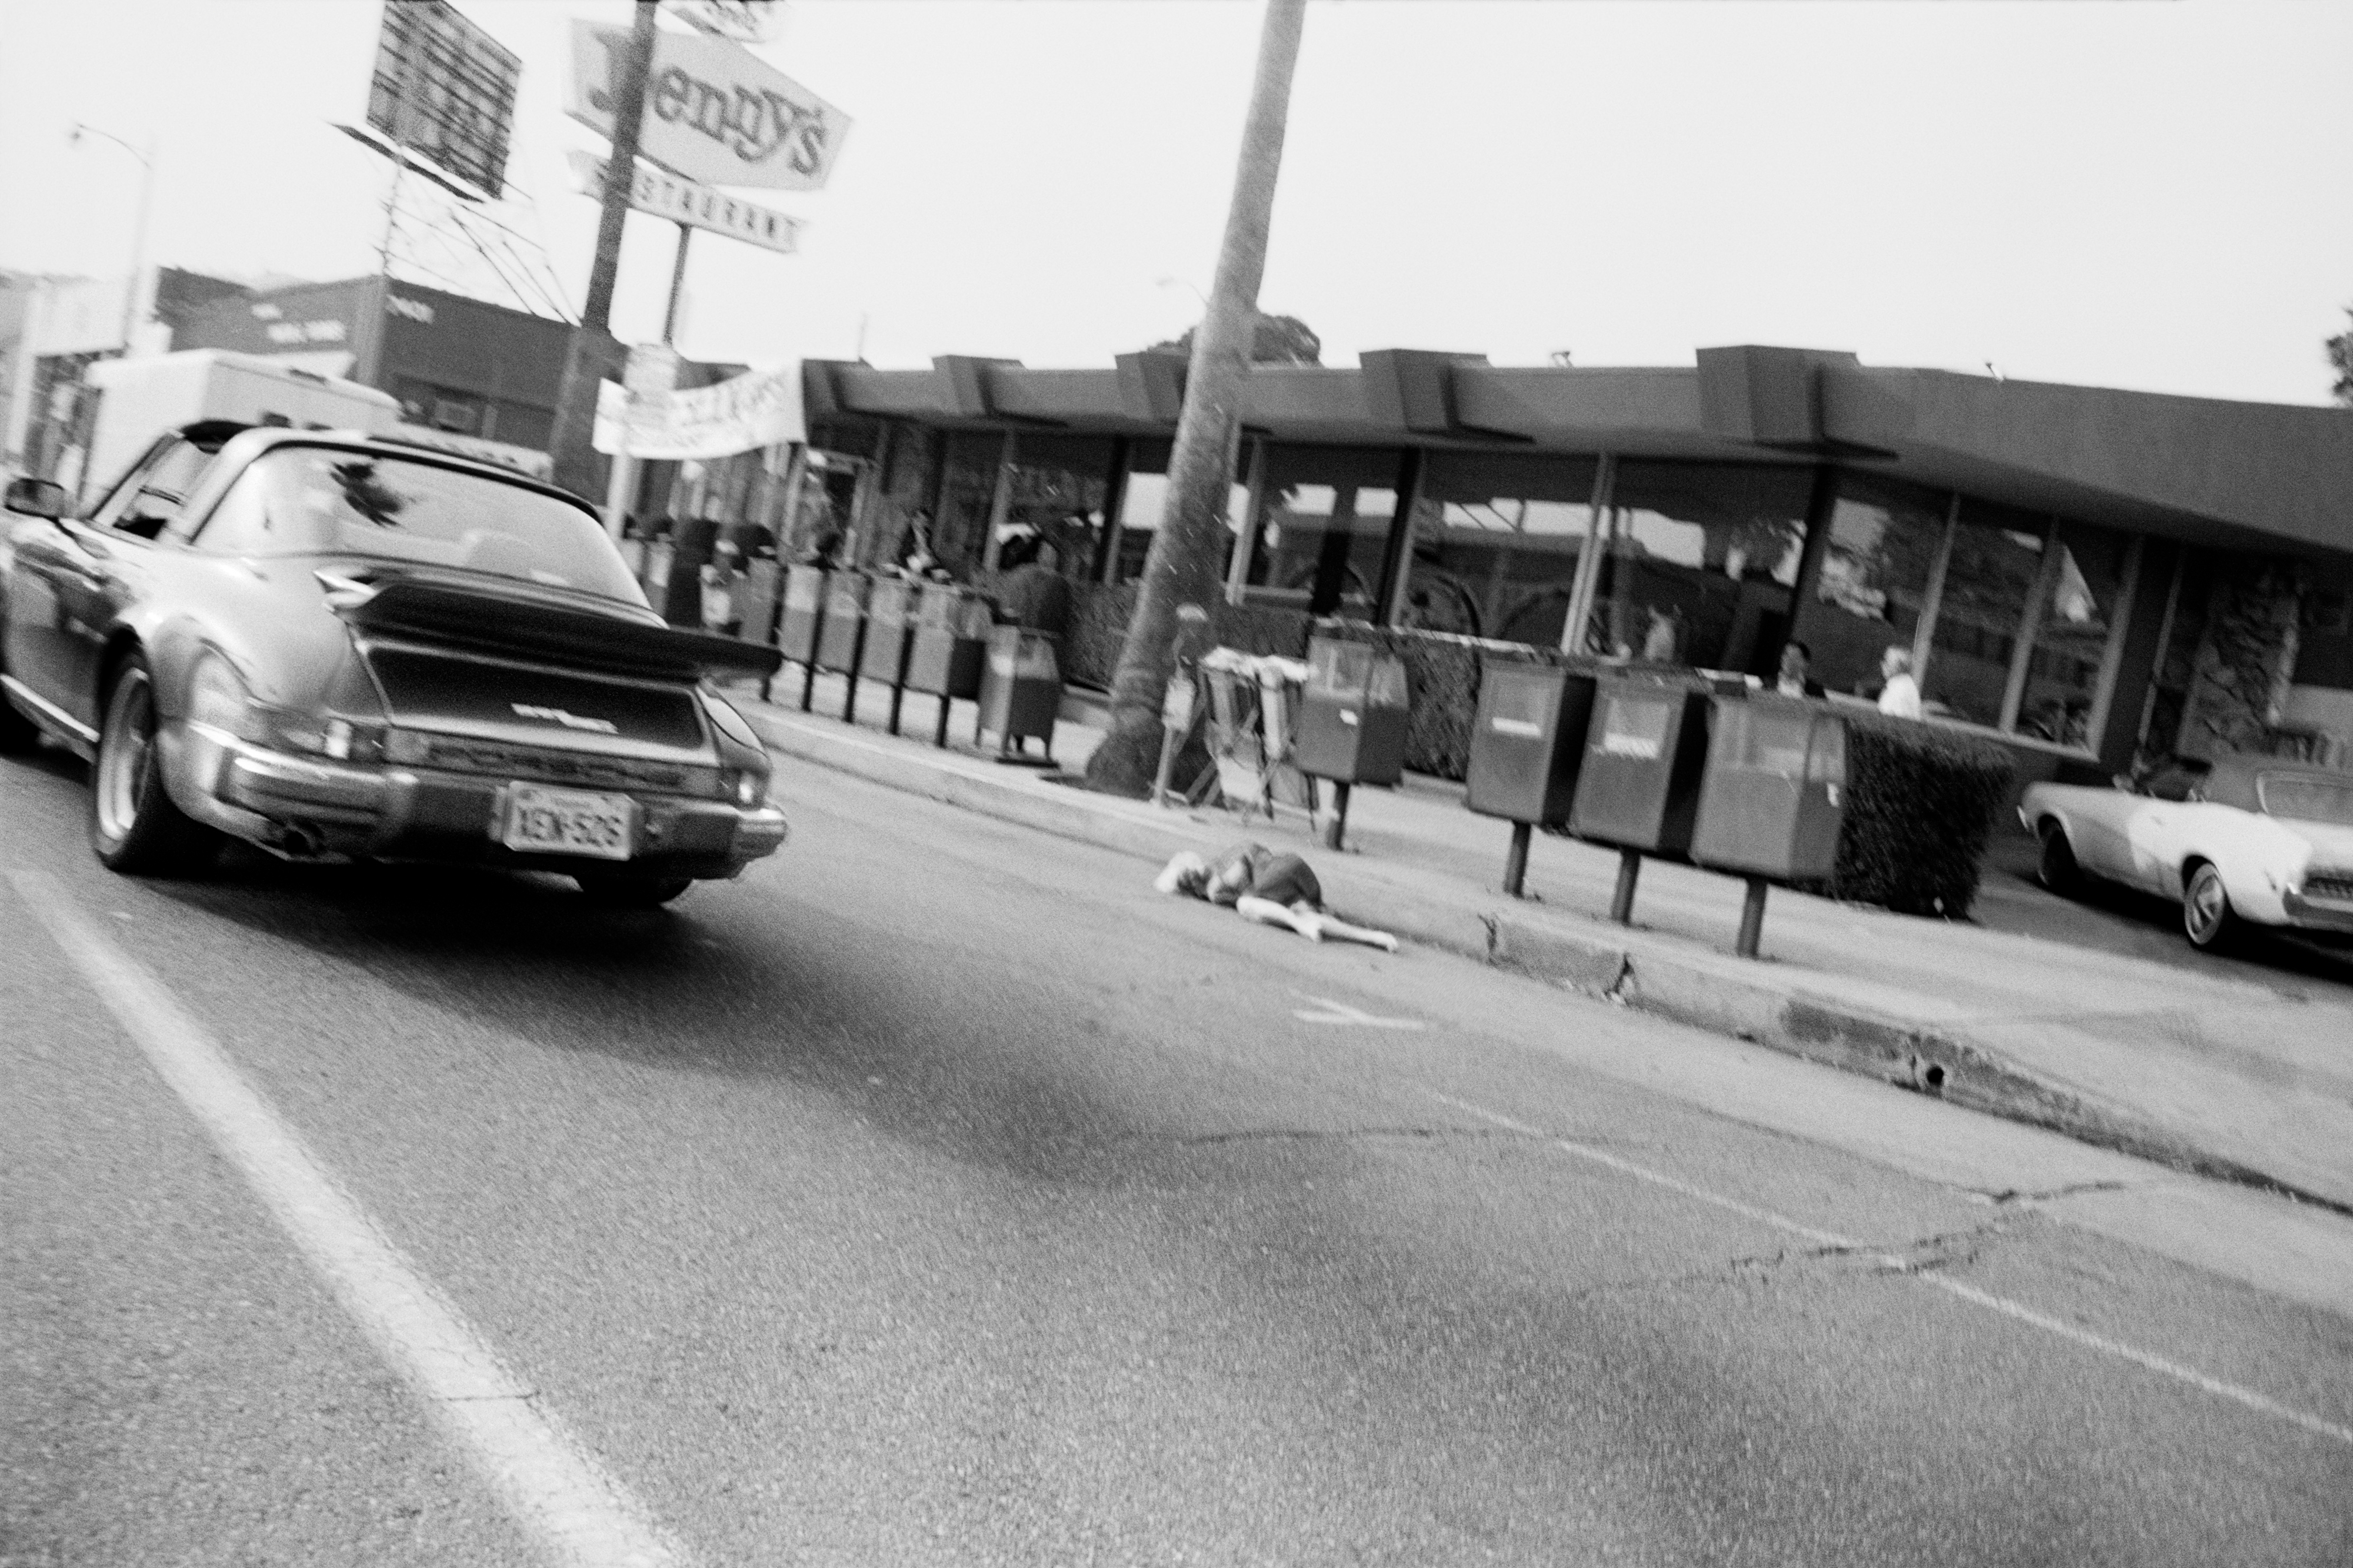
(311, 807)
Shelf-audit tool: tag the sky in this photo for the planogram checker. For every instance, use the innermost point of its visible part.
(2110, 191)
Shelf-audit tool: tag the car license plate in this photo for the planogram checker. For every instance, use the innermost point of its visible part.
(567, 822)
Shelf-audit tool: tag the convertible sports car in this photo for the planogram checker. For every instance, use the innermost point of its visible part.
(342, 647)
(2244, 839)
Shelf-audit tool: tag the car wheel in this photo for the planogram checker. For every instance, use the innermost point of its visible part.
(19, 734)
(625, 892)
(2206, 915)
(2057, 870)
(133, 825)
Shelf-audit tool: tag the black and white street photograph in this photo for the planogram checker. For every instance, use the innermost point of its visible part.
(1116, 784)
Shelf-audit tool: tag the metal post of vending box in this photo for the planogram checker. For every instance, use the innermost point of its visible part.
(898, 695)
(808, 670)
(1752, 917)
(1336, 829)
(1515, 864)
(940, 736)
(1621, 899)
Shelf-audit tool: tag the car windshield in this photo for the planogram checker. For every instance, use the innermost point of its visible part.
(324, 501)
(2304, 798)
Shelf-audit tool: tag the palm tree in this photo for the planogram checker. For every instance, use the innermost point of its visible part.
(1188, 548)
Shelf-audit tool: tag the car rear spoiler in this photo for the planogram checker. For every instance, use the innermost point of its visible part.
(518, 626)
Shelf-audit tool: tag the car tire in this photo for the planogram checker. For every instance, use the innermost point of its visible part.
(625, 892)
(2057, 870)
(19, 736)
(2207, 918)
(134, 827)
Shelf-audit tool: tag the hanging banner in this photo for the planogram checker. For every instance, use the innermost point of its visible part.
(660, 195)
(715, 111)
(758, 408)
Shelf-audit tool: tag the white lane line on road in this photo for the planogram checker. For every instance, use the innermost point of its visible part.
(559, 1495)
(1327, 1011)
(1891, 1261)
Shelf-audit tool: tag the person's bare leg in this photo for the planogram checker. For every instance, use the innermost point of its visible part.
(1267, 912)
(1332, 927)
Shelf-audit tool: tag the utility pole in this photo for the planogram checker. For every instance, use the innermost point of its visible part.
(593, 354)
(1182, 565)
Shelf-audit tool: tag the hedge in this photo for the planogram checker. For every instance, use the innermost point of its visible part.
(1922, 800)
(1921, 803)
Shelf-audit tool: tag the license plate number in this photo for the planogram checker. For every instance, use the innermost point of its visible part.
(567, 822)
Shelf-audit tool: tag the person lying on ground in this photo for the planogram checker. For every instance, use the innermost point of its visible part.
(1271, 887)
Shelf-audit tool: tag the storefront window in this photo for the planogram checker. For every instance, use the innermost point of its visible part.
(1701, 560)
(1146, 498)
(1324, 523)
(1495, 542)
(2084, 598)
(1991, 575)
(967, 492)
(1873, 584)
(1059, 484)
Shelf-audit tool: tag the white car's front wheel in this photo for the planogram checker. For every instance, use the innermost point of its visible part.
(2207, 918)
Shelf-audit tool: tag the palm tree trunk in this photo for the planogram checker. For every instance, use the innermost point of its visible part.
(1185, 563)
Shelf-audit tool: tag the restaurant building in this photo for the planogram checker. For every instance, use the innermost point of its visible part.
(2088, 575)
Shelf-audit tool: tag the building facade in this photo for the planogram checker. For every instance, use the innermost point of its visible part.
(2088, 575)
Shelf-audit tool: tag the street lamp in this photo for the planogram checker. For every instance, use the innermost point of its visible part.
(139, 230)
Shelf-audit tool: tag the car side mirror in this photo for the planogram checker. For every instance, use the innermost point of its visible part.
(36, 498)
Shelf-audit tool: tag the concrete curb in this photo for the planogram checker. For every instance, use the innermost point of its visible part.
(1757, 1003)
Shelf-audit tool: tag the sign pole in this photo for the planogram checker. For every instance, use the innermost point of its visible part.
(677, 286)
(592, 349)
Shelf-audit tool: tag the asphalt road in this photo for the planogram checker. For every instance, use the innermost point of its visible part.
(937, 1195)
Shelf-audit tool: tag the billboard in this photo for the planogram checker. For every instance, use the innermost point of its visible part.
(715, 112)
(445, 90)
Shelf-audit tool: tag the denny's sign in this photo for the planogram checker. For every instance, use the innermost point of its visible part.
(714, 111)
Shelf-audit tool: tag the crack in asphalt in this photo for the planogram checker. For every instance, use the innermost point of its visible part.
(1309, 1134)
(2011, 1195)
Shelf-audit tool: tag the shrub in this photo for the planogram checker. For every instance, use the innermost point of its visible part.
(1921, 803)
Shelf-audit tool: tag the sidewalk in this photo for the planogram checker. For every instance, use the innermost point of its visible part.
(2224, 1076)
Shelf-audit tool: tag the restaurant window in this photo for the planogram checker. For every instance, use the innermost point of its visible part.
(1991, 575)
(2091, 574)
(2010, 616)
(967, 493)
(1701, 560)
(1059, 485)
(1324, 520)
(1874, 582)
(1145, 498)
(1494, 544)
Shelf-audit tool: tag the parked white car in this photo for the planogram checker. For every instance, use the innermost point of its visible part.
(2244, 839)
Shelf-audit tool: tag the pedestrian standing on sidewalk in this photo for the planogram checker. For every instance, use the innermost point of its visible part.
(1271, 887)
(1034, 594)
(692, 548)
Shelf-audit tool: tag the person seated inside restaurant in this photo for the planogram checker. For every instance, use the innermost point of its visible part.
(1900, 697)
(1794, 679)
